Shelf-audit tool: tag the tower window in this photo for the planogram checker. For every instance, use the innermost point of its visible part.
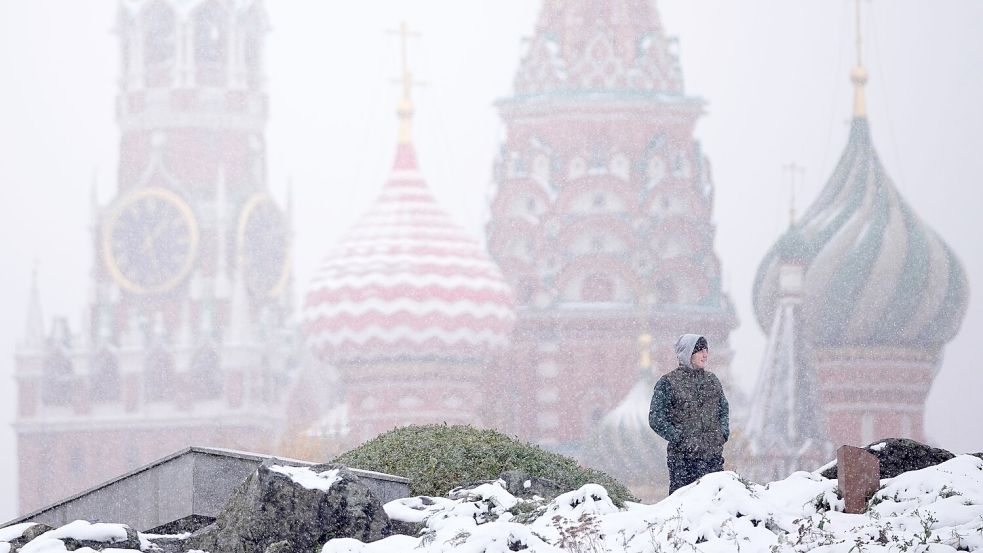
(159, 45)
(867, 428)
(158, 376)
(525, 290)
(58, 374)
(597, 288)
(206, 374)
(665, 289)
(105, 381)
(597, 243)
(211, 44)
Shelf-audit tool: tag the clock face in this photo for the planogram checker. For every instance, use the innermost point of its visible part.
(264, 246)
(150, 241)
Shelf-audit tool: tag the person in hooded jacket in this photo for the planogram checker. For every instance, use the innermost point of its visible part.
(689, 410)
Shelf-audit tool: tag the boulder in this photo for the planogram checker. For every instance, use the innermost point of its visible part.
(521, 484)
(132, 541)
(898, 455)
(518, 483)
(27, 535)
(285, 509)
(76, 535)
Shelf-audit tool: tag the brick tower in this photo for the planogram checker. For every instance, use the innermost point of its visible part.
(184, 338)
(601, 218)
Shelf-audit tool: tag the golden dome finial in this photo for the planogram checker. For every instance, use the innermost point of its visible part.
(645, 351)
(405, 108)
(859, 75)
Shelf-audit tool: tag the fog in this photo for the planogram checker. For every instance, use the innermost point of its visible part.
(774, 74)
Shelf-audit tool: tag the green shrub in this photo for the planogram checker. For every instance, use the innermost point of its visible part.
(438, 458)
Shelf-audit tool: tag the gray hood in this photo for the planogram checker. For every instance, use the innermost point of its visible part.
(684, 348)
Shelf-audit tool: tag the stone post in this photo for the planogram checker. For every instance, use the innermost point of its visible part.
(859, 475)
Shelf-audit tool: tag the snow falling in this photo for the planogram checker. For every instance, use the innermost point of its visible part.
(287, 229)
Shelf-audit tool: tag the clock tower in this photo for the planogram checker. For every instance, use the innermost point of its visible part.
(184, 339)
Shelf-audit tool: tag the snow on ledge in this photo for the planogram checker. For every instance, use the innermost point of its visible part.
(307, 478)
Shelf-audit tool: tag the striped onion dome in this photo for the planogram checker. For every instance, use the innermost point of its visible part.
(407, 283)
(875, 274)
(624, 445)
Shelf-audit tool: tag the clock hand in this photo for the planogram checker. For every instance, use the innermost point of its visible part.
(151, 239)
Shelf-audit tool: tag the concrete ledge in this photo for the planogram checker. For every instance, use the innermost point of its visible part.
(181, 492)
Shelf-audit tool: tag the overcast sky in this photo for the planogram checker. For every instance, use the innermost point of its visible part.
(774, 73)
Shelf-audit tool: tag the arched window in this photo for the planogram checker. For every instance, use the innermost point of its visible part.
(211, 44)
(105, 380)
(597, 288)
(525, 290)
(666, 292)
(906, 430)
(252, 48)
(58, 380)
(867, 428)
(158, 376)
(206, 374)
(159, 44)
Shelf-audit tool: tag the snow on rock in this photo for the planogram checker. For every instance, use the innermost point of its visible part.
(495, 493)
(932, 510)
(83, 536)
(417, 509)
(307, 478)
(14, 531)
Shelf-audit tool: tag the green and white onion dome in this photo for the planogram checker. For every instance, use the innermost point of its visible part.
(875, 274)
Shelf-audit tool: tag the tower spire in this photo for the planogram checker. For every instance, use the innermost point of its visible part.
(34, 329)
(859, 74)
(405, 108)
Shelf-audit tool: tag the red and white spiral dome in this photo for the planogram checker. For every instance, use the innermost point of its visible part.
(407, 283)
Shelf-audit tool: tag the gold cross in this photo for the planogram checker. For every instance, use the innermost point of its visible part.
(405, 108)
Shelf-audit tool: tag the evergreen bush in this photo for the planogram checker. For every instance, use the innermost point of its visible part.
(438, 457)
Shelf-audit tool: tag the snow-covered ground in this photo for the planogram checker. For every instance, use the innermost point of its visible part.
(937, 509)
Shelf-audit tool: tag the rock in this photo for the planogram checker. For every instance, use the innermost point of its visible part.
(132, 540)
(273, 512)
(168, 545)
(516, 483)
(407, 528)
(282, 546)
(899, 455)
(28, 535)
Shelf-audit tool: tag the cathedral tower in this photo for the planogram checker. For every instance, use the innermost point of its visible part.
(184, 338)
(881, 294)
(601, 217)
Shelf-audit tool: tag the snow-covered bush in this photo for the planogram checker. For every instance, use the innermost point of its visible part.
(438, 458)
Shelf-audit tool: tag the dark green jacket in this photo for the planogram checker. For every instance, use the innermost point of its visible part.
(690, 411)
